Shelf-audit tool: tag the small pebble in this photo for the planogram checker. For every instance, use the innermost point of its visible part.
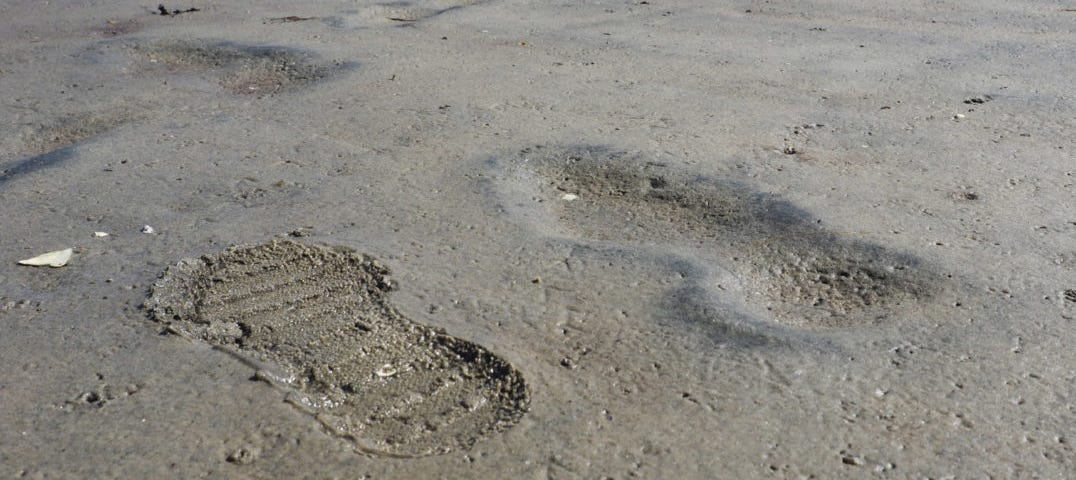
(851, 460)
(100, 234)
(148, 229)
(567, 197)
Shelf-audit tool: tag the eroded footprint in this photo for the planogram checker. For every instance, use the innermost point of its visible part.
(821, 279)
(48, 143)
(71, 128)
(807, 276)
(317, 321)
(241, 69)
(399, 12)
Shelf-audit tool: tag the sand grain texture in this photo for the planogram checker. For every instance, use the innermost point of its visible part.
(690, 239)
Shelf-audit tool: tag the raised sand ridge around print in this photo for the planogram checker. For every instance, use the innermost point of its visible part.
(316, 322)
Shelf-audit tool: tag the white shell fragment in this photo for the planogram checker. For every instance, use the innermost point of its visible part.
(386, 370)
(148, 229)
(58, 258)
(567, 197)
(100, 234)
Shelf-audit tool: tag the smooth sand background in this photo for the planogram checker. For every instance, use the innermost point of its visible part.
(632, 358)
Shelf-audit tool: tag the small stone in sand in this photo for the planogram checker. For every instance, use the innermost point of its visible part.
(386, 370)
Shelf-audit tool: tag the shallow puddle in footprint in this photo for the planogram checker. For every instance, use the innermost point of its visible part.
(315, 321)
(806, 276)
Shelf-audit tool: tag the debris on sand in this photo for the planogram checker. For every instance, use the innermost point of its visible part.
(289, 19)
(58, 258)
(164, 12)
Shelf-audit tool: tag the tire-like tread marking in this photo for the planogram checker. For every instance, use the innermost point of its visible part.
(320, 316)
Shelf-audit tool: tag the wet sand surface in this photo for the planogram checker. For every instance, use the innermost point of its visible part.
(522, 239)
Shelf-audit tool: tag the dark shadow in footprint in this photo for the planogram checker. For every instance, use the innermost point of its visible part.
(52, 142)
(699, 305)
(317, 323)
(805, 275)
(240, 69)
(688, 307)
(35, 163)
(602, 194)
